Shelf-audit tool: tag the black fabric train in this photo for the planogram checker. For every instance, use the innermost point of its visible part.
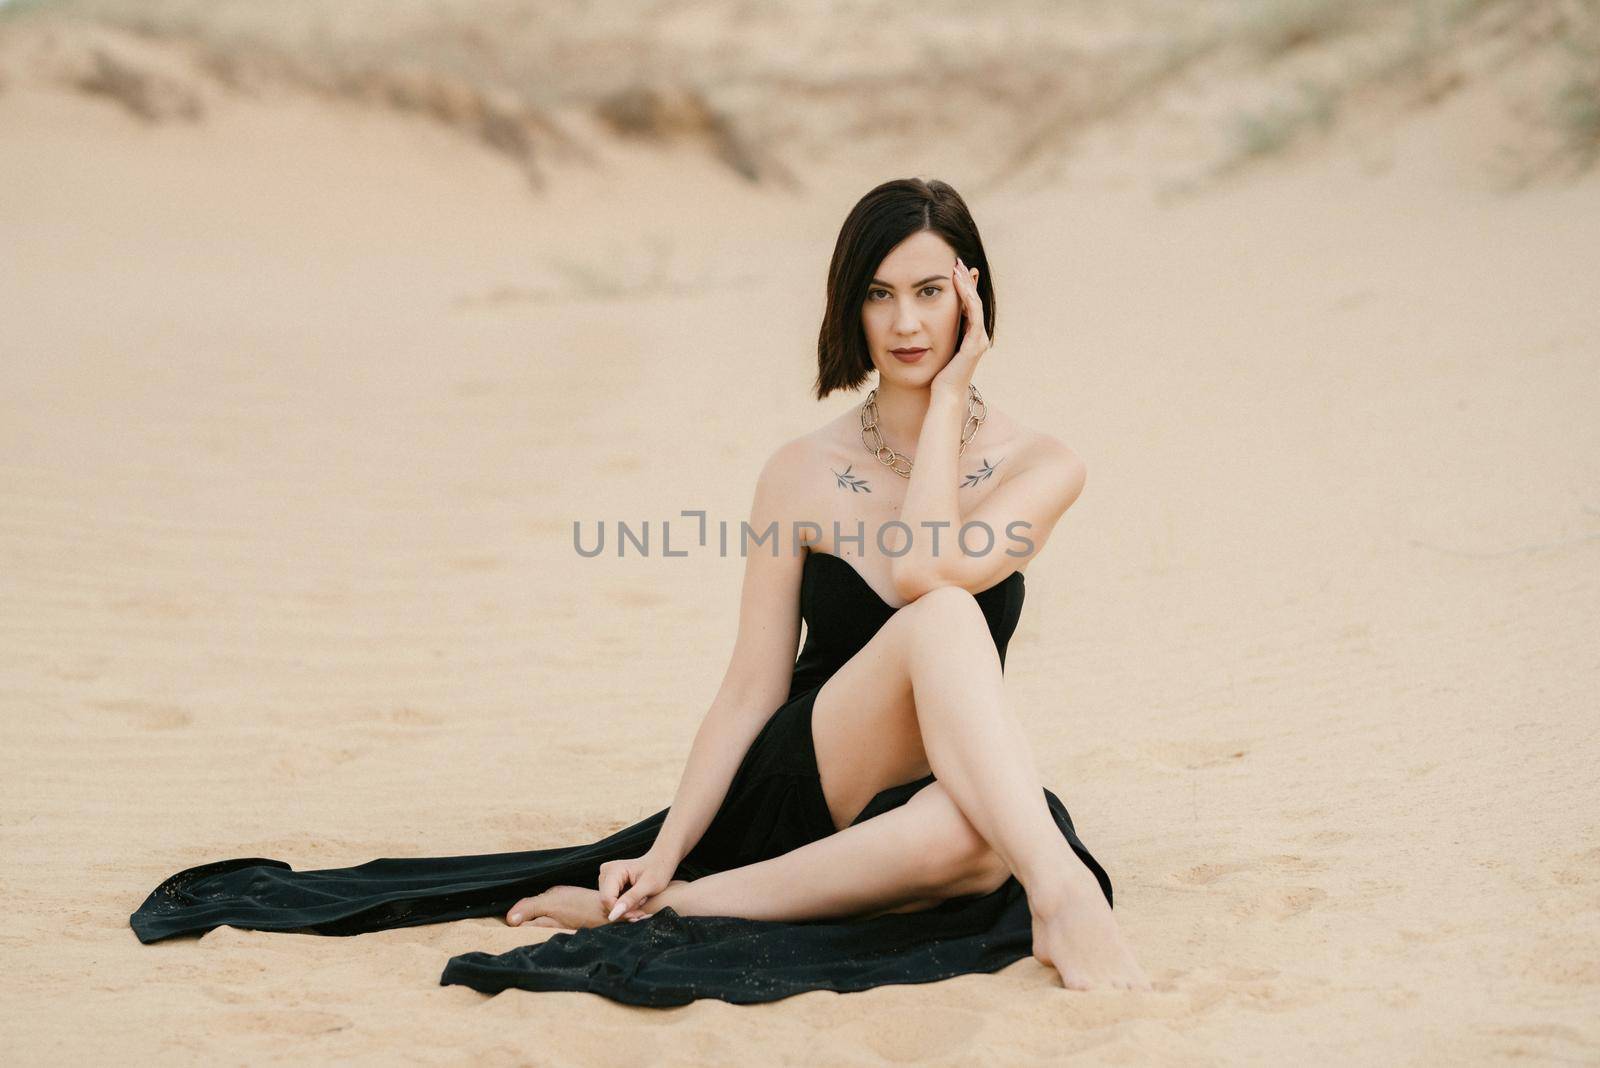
(774, 804)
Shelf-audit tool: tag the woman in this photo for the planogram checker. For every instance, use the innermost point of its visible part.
(925, 692)
(886, 823)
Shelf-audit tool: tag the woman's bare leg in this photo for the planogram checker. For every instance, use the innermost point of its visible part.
(927, 691)
(911, 857)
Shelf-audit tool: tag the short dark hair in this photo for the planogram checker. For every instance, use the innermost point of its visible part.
(881, 220)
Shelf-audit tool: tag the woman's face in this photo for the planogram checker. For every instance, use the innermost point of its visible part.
(911, 303)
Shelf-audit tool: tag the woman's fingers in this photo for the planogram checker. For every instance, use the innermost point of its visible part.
(968, 286)
(634, 898)
(613, 880)
(968, 291)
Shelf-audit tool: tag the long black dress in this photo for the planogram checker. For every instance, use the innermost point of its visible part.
(774, 804)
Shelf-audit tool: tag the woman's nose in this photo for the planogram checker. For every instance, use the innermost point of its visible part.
(906, 321)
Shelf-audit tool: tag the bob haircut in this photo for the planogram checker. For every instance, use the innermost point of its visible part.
(881, 220)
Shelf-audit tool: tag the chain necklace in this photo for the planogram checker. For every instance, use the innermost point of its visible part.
(977, 412)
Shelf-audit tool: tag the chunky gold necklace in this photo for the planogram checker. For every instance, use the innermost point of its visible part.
(977, 412)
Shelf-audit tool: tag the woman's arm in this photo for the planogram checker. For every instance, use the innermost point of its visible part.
(760, 669)
(1046, 478)
(931, 502)
(729, 727)
(1042, 484)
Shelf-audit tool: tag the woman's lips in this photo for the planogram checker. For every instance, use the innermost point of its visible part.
(908, 357)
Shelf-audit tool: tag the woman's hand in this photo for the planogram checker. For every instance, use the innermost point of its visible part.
(625, 885)
(956, 375)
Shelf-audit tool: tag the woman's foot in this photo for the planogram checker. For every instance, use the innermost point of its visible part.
(572, 907)
(1074, 932)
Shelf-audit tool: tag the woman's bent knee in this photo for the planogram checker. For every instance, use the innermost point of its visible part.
(940, 605)
(943, 614)
(946, 597)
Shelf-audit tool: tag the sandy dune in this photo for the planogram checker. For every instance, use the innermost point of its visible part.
(299, 401)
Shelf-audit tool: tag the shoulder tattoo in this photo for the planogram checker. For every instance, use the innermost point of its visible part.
(857, 484)
(981, 473)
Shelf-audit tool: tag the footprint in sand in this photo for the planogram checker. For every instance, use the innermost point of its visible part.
(304, 762)
(285, 1021)
(1281, 902)
(1439, 932)
(404, 716)
(229, 995)
(145, 715)
(1194, 755)
(1292, 900)
(1583, 869)
(1566, 964)
(1205, 874)
(154, 606)
(1544, 1041)
(82, 669)
(1263, 989)
(1315, 813)
(1278, 863)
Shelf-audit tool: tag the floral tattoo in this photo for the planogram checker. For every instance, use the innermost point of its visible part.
(856, 484)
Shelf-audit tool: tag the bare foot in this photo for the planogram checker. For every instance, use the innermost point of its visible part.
(572, 907)
(1074, 932)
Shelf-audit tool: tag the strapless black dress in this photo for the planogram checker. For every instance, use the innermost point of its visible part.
(773, 804)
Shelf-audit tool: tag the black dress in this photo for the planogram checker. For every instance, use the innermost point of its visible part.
(773, 804)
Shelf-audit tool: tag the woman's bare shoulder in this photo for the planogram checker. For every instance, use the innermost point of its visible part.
(1030, 447)
(788, 458)
(788, 473)
(1044, 448)
(800, 455)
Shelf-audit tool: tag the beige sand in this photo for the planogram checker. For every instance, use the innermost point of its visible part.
(299, 404)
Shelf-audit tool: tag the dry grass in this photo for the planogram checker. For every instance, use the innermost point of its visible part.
(765, 90)
(1412, 51)
(1273, 28)
(144, 94)
(1576, 107)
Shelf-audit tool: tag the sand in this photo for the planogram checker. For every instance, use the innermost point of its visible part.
(299, 402)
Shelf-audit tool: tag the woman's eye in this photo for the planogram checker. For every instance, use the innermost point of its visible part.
(872, 294)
